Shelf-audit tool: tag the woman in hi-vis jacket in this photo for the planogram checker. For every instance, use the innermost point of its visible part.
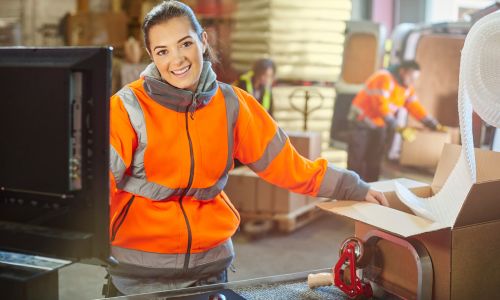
(174, 135)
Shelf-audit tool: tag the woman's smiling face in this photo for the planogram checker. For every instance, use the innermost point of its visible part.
(177, 52)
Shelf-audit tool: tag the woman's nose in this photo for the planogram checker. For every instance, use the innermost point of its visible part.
(178, 58)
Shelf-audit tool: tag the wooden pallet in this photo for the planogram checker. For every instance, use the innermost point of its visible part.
(286, 222)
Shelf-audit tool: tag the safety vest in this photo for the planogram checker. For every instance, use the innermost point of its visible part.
(266, 97)
(171, 151)
(381, 96)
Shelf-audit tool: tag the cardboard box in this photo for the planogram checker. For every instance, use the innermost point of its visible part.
(425, 150)
(287, 202)
(97, 28)
(465, 257)
(251, 194)
(265, 196)
(307, 143)
(241, 189)
(272, 199)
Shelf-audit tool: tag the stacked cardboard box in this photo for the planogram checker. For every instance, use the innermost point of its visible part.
(308, 143)
(426, 149)
(464, 257)
(304, 38)
(250, 194)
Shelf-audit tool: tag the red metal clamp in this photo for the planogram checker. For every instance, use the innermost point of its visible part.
(351, 252)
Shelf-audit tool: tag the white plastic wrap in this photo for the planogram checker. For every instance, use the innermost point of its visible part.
(479, 89)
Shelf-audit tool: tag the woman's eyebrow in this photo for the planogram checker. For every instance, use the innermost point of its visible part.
(159, 47)
(186, 37)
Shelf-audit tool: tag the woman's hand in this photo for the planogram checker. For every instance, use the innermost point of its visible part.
(376, 197)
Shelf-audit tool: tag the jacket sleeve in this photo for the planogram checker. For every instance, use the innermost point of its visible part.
(266, 149)
(414, 107)
(123, 141)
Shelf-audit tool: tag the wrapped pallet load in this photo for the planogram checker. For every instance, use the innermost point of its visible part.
(304, 38)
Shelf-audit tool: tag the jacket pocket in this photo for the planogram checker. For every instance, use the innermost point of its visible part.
(230, 205)
(121, 217)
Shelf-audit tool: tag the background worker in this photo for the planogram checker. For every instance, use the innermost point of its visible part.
(372, 116)
(259, 81)
(174, 134)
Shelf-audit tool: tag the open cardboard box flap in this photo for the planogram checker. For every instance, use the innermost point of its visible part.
(481, 205)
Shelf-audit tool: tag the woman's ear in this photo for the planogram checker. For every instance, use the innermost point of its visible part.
(204, 41)
(149, 54)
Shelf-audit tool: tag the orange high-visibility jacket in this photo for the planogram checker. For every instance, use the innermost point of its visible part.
(171, 151)
(382, 96)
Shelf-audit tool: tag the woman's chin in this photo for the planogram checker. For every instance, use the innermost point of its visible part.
(179, 84)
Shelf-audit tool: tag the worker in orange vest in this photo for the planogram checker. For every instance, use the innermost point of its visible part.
(258, 82)
(174, 134)
(372, 116)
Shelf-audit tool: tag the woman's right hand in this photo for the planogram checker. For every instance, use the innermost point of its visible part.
(376, 197)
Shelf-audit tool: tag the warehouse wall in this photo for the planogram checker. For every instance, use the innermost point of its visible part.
(39, 19)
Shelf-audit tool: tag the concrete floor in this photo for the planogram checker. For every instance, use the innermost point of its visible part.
(312, 247)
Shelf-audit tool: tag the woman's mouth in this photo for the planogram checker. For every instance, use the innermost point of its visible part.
(182, 71)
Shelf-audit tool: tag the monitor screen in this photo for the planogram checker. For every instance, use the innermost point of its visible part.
(54, 154)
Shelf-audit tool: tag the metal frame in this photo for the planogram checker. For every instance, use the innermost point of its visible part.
(301, 276)
(419, 253)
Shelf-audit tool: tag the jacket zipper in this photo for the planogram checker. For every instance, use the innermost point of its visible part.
(190, 182)
(121, 217)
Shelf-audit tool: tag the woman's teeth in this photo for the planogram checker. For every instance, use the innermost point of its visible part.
(181, 71)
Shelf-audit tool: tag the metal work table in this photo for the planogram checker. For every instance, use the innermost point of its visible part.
(288, 286)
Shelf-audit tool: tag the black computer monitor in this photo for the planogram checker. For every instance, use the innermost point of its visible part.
(54, 153)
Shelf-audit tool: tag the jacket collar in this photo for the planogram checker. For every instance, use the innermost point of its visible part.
(394, 70)
(179, 99)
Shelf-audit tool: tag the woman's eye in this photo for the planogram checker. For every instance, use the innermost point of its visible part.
(161, 52)
(187, 44)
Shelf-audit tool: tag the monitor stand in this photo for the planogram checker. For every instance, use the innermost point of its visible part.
(27, 277)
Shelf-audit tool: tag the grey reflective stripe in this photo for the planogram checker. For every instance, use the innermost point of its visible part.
(393, 107)
(138, 184)
(331, 181)
(354, 113)
(138, 122)
(272, 150)
(391, 85)
(377, 92)
(173, 261)
(232, 111)
(116, 164)
(411, 99)
(407, 93)
(142, 187)
(391, 80)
